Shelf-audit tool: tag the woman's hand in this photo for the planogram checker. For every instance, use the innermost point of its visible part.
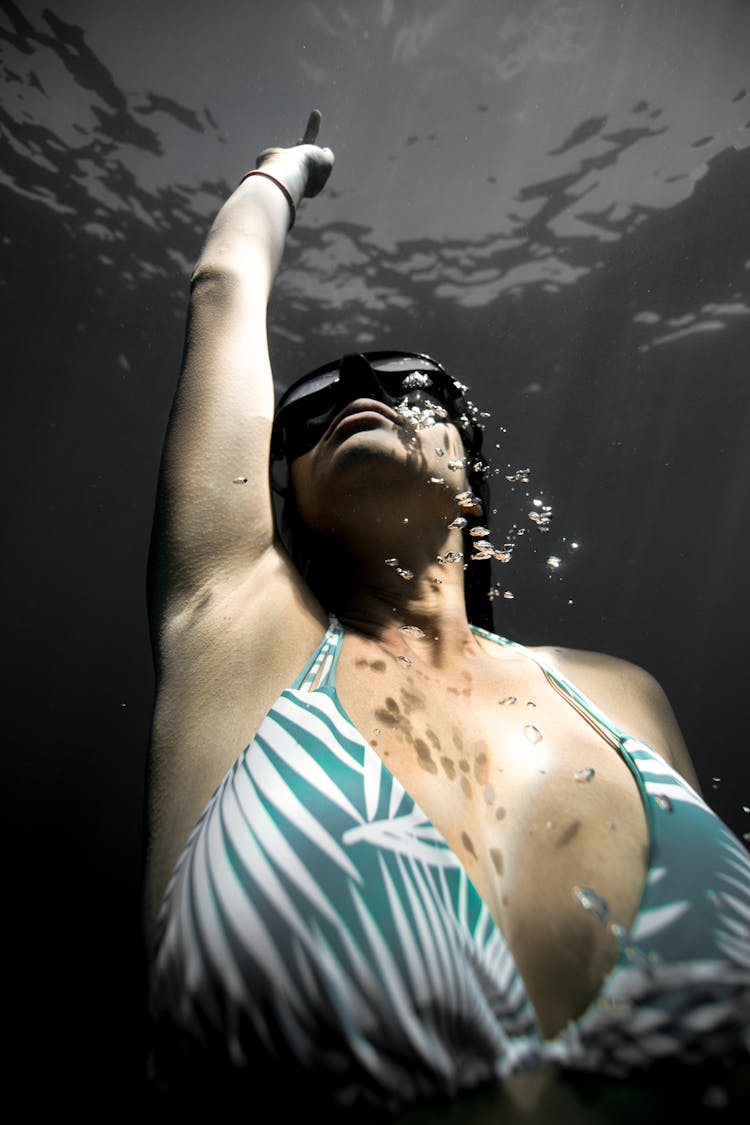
(305, 167)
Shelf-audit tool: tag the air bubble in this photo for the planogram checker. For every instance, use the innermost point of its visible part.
(416, 379)
(478, 532)
(553, 562)
(592, 903)
(585, 774)
(436, 480)
(458, 523)
(620, 934)
(532, 734)
(407, 575)
(454, 466)
(508, 595)
(467, 500)
(392, 562)
(412, 631)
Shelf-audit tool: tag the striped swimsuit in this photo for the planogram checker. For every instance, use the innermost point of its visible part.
(318, 929)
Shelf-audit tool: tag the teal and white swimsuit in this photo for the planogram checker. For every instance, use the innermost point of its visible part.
(318, 926)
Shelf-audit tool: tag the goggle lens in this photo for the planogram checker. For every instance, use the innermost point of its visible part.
(308, 406)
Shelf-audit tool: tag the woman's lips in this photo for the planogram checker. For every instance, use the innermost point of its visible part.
(361, 411)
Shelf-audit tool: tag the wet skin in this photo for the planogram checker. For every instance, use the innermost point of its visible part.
(496, 778)
(437, 709)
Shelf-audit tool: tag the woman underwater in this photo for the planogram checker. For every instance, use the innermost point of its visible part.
(431, 859)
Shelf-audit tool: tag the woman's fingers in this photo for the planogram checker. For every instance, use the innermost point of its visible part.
(311, 131)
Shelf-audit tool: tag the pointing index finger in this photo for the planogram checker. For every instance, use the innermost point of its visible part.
(311, 131)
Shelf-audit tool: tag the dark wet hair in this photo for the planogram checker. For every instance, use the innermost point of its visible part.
(304, 547)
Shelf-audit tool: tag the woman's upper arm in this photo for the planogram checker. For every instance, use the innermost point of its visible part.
(214, 513)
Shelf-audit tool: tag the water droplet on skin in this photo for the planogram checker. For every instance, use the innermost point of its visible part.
(412, 631)
(585, 774)
(663, 802)
(532, 734)
(592, 903)
(392, 562)
(619, 933)
(612, 825)
(438, 581)
(454, 466)
(404, 659)
(240, 480)
(440, 452)
(550, 824)
(458, 523)
(376, 730)
(509, 699)
(436, 480)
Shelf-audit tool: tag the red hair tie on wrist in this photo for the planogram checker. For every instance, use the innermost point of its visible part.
(282, 187)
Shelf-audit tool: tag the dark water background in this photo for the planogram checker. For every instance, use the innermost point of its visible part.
(552, 198)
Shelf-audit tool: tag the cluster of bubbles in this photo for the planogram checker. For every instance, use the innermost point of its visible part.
(426, 413)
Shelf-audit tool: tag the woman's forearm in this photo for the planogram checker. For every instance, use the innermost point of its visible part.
(247, 237)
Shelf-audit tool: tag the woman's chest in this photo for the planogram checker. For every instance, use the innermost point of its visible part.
(543, 813)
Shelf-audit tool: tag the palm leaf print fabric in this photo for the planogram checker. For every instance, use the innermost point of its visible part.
(317, 921)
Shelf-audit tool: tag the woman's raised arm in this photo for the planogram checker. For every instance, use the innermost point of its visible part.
(214, 516)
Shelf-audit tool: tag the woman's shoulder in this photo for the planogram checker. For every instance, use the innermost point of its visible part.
(630, 695)
(600, 667)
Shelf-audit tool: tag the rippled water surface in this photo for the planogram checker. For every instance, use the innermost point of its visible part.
(551, 198)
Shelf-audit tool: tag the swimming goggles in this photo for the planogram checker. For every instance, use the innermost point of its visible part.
(414, 384)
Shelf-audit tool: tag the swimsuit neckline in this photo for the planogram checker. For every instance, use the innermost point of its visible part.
(328, 662)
